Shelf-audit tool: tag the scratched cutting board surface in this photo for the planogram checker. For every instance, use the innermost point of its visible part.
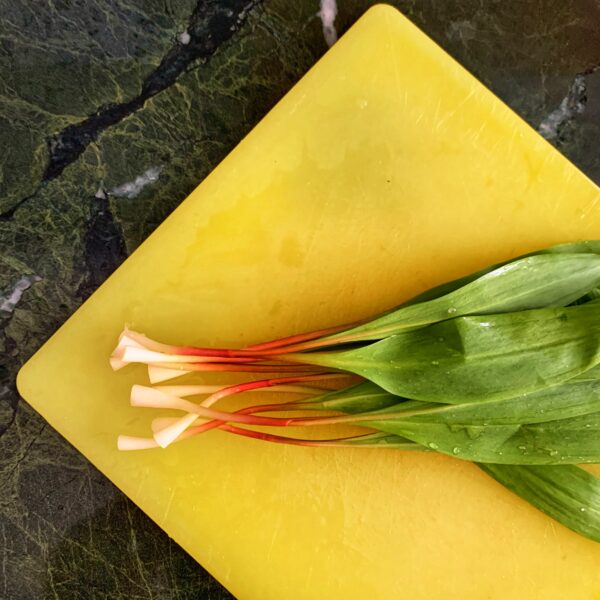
(386, 170)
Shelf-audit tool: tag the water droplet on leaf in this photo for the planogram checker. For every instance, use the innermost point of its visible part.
(474, 432)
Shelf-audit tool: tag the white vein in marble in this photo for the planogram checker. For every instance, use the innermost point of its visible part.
(131, 189)
(327, 14)
(571, 105)
(100, 193)
(12, 297)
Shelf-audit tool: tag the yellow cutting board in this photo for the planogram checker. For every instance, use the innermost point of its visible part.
(386, 170)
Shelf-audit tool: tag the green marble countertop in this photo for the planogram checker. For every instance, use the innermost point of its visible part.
(111, 112)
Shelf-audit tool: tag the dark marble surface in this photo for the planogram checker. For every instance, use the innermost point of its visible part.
(111, 111)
